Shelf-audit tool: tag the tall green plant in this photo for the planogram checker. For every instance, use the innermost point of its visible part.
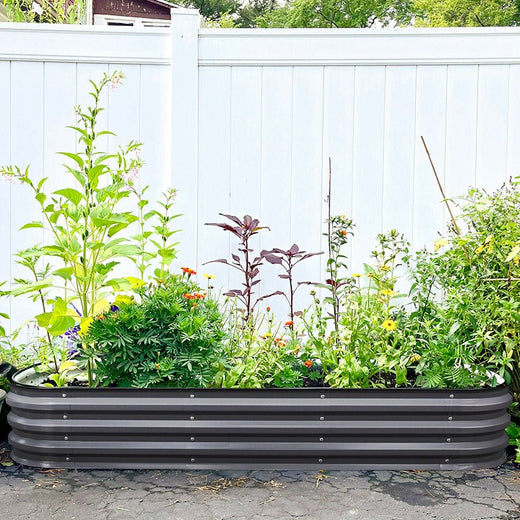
(467, 295)
(86, 221)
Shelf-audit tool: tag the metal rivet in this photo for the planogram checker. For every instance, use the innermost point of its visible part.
(67, 459)
(192, 438)
(322, 396)
(451, 396)
(65, 417)
(446, 460)
(448, 440)
(320, 460)
(65, 438)
(192, 418)
(63, 395)
(450, 418)
(192, 395)
(192, 460)
(322, 418)
(321, 439)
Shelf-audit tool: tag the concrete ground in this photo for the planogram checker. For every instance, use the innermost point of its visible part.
(29, 494)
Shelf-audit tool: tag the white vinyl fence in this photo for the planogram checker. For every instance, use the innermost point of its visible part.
(243, 121)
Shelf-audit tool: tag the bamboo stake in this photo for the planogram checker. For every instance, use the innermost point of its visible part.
(445, 199)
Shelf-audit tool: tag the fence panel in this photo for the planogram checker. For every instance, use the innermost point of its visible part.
(244, 121)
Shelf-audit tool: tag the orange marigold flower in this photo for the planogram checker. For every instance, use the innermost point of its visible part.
(188, 270)
(343, 232)
(102, 317)
(194, 304)
(268, 309)
(308, 363)
(281, 344)
(188, 296)
(157, 366)
(289, 323)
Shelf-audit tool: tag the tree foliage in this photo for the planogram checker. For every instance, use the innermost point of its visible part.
(46, 11)
(466, 13)
(338, 13)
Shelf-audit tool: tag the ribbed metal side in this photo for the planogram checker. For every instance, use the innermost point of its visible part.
(258, 429)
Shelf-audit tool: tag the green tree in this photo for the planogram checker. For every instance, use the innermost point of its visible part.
(466, 13)
(338, 13)
(46, 11)
(213, 10)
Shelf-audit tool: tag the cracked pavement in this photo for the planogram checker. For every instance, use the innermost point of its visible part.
(28, 493)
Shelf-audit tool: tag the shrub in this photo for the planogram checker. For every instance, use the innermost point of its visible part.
(467, 295)
(172, 338)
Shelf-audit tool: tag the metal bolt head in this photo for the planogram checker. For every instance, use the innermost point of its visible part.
(63, 395)
(321, 439)
(448, 439)
(446, 460)
(450, 418)
(192, 459)
(192, 438)
(320, 460)
(192, 418)
(65, 438)
(65, 417)
(322, 396)
(192, 395)
(322, 418)
(67, 459)
(451, 396)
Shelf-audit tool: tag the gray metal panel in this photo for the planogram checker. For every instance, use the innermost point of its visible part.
(258, 429)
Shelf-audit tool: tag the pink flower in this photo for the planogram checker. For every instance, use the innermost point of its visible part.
(115, 82)
(131, 175)
(11, 178)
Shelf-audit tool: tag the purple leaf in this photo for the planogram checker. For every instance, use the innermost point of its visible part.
(234, 219)
(220, 260)
(294, 249)
(284, 276)
(236, 258)
(276, 293)
(273, 259)
(308, 255)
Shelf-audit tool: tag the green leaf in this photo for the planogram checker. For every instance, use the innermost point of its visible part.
(94, 173)
(74, 157)
(126, 249)
(34, 224)
(40, 197)
(71, 194)
(64, 272)
(32, 287)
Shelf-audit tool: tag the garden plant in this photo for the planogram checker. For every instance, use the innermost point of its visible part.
(116, 311)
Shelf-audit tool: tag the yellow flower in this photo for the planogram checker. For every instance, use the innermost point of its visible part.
(442, 242)
(385, 267)
(267, 335)
(209, 276)
(389, 325)
(387, 292)
(414, 358)
(357, 275)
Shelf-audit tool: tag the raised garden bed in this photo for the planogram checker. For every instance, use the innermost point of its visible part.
(305, 428)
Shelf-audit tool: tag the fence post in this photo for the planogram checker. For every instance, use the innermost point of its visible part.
(185, 132)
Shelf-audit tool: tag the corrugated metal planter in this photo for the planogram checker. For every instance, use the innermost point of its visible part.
(258, 429)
